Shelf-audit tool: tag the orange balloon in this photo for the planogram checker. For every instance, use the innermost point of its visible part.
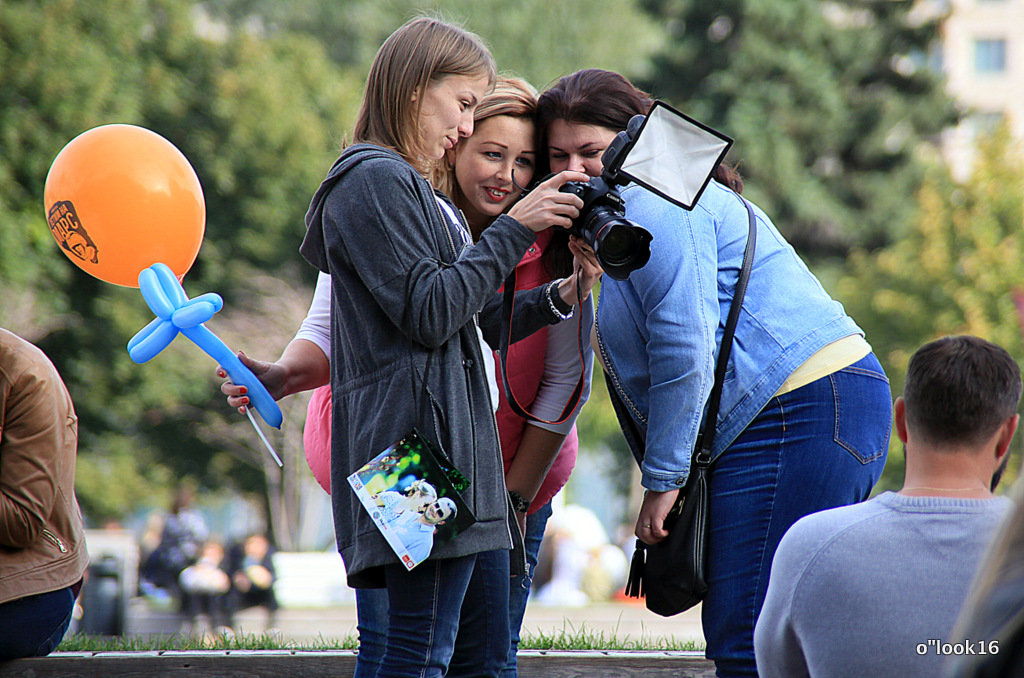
(120, 198)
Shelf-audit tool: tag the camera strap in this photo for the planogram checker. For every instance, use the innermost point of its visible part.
(507, 309)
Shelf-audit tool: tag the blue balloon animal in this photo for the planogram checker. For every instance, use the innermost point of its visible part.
(175, 312)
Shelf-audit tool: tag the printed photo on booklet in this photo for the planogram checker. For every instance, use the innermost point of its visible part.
(411, 492)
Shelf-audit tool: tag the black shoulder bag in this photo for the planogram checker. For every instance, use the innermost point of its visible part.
(671, 575)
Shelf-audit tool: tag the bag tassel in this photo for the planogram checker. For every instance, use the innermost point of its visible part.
(635, 580)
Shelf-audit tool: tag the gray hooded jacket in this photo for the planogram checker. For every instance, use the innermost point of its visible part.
(404, 349)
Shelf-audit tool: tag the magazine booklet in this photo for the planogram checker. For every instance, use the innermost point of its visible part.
(411, 492)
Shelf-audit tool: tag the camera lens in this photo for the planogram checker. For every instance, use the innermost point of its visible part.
(620, 245)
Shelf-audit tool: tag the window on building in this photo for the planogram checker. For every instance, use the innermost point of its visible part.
(990, 56)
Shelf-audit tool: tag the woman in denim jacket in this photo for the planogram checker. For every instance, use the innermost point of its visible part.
(806, 408)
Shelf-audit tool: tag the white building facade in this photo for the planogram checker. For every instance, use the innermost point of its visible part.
(982, 57)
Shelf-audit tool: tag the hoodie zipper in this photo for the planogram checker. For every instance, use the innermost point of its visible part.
(55, 540)
(494, 422)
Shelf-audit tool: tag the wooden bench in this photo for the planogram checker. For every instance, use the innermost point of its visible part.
(334, 663)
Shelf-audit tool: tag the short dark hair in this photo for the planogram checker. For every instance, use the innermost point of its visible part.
(960, 389)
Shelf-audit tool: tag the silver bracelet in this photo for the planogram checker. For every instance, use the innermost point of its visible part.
(551, 302)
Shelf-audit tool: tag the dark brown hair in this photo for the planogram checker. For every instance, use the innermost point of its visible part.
(604, 98)
(594, 96)
(960, 390)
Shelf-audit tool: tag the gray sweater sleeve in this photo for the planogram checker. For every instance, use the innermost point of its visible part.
(776, 645)
(381, 221)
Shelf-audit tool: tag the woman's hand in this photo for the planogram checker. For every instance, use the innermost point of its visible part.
(587, 272)
(650, 524)
(271, 375)
(302, 366)
(546, 206)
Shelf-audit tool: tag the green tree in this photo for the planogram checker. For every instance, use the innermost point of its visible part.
(958, 270)
(828, 102)
(260, 118)
(259, 96)
(58, 62)
(535, 39)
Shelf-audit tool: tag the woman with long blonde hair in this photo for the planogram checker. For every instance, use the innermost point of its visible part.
(486, 175)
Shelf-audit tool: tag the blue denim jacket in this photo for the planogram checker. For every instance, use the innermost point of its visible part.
(659, 331)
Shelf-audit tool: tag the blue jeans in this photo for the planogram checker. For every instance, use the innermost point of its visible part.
(445, 617)
(34, 626)
(372, 606)
(818, 447)
(519, 591)
(372, 625)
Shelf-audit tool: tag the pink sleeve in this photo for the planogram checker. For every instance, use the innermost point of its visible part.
(316, 436)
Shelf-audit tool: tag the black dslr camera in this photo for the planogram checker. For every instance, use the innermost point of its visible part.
(620, 245)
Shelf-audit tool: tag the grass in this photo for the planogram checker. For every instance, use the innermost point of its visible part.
(581, 638)
(80, 642)
(569, 638)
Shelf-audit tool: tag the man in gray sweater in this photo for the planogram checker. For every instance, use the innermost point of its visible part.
(873, 589)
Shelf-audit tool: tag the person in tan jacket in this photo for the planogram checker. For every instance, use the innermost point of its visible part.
(42, 545)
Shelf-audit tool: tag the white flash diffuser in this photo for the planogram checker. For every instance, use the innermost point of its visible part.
(673, 155)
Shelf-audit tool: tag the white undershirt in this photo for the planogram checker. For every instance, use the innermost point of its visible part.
(316, 326)
(485, 348)
(561, 359)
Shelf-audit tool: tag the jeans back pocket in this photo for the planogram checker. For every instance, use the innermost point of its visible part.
(863, 409)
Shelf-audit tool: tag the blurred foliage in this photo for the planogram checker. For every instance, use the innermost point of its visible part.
(259, 96)
(538, 40)
(258, 117)
(829, 103)
(958, 270)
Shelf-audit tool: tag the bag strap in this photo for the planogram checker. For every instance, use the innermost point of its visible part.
(706, 438)
(508, 302)
(701, 457)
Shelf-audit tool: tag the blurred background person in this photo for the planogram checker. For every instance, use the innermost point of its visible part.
(251, 568)
(584, 565)
(181, 539)
(204, 592)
